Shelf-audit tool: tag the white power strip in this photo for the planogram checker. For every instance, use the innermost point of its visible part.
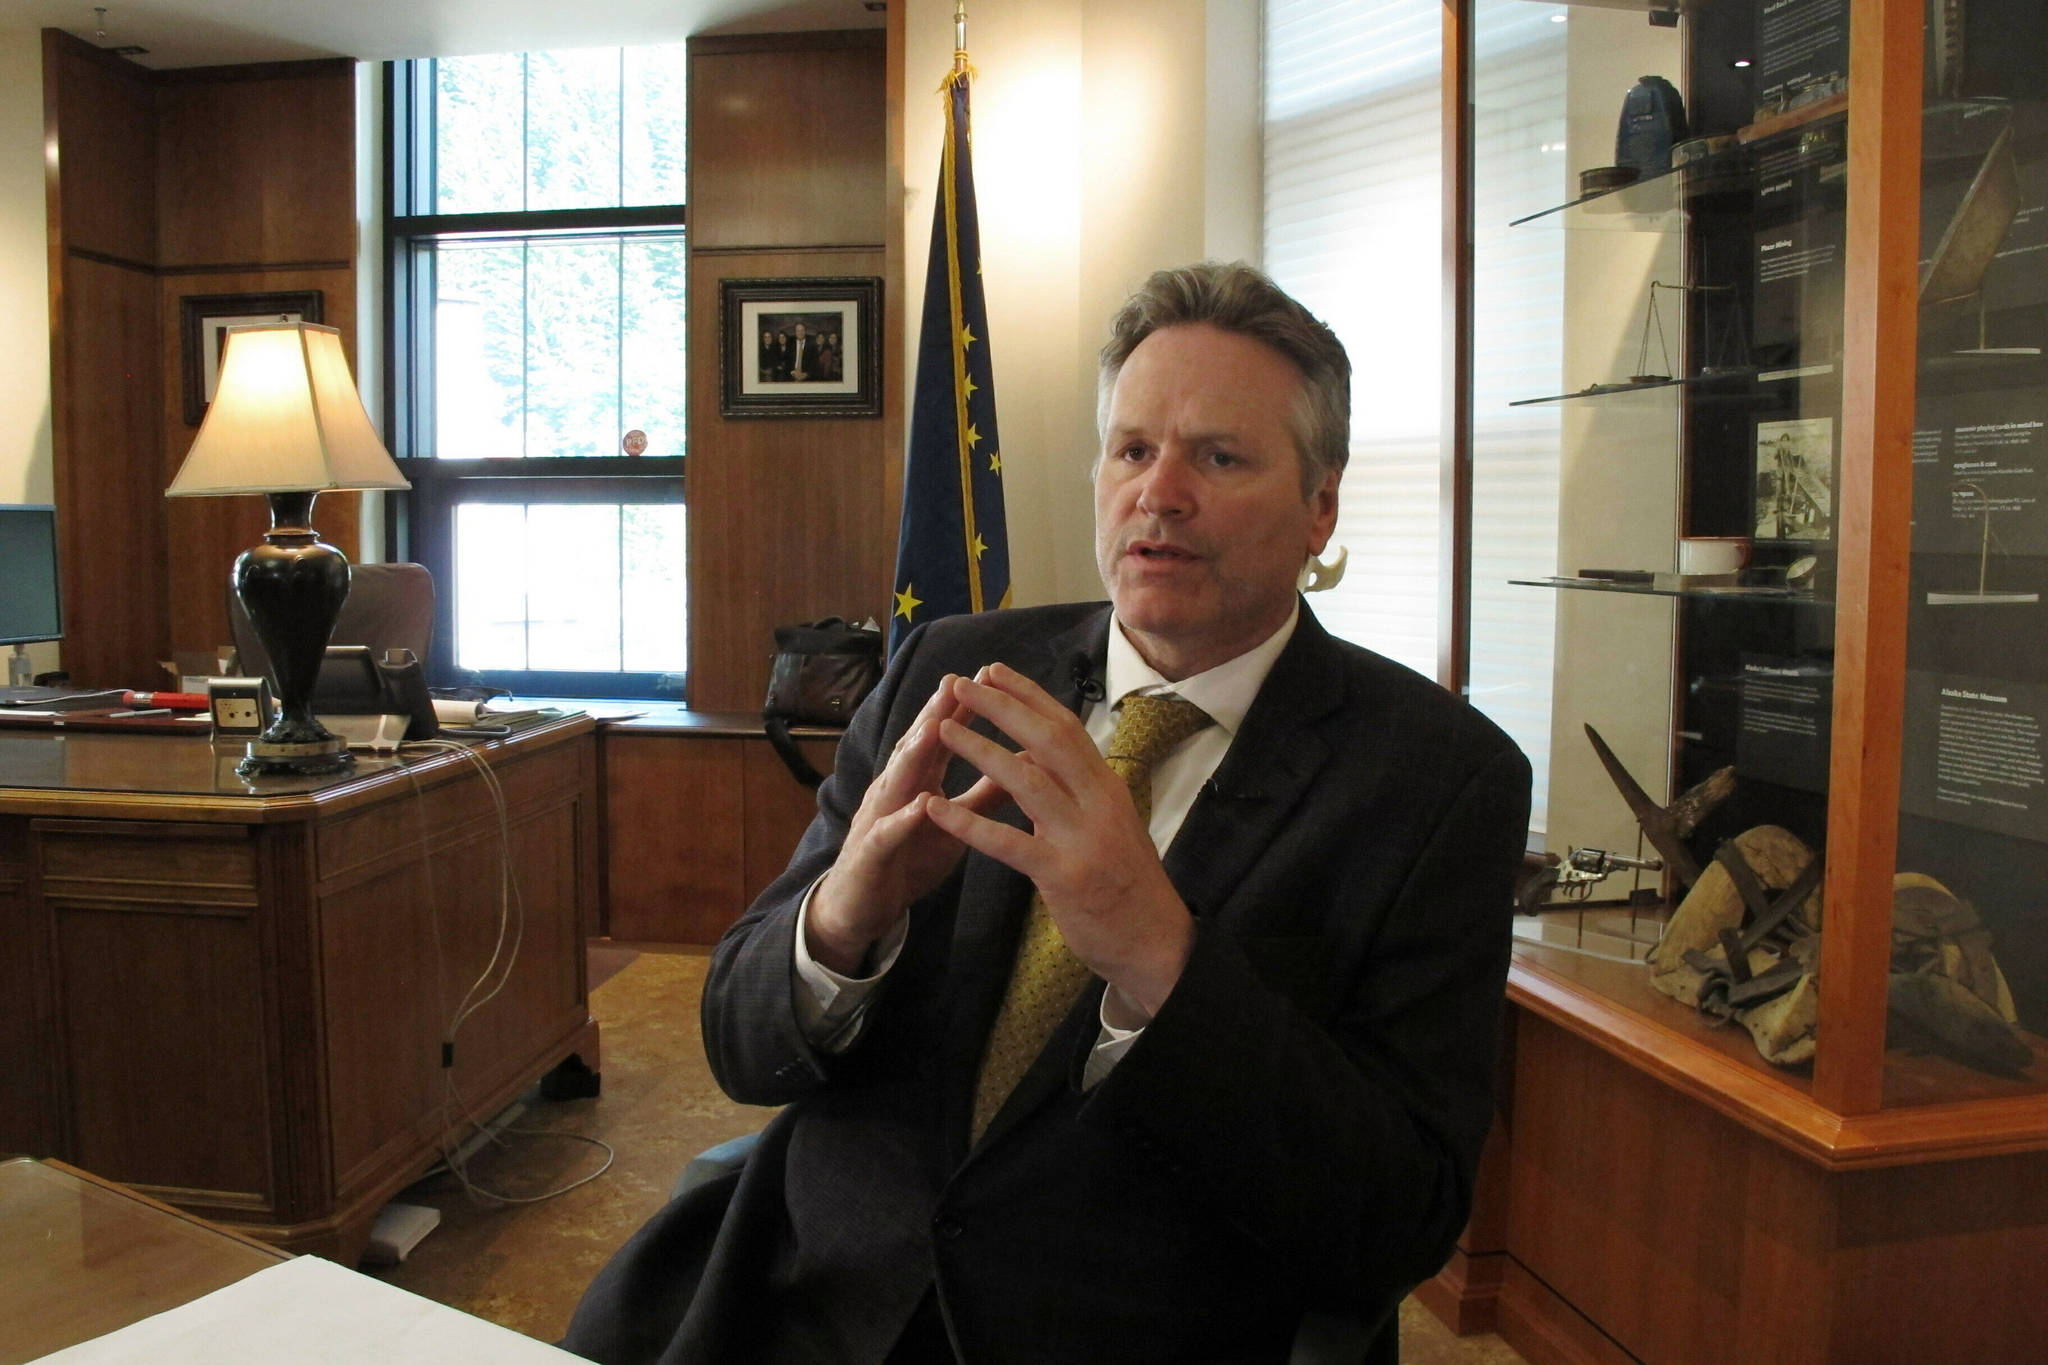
(398, 1229)
(377, 734)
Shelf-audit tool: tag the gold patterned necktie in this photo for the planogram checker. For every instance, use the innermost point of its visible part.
(1047, 977)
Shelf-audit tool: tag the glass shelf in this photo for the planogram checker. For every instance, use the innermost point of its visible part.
(1606, 390)
(1656, 192)
(1761, 376)
(1659, 191)
(1794, 596)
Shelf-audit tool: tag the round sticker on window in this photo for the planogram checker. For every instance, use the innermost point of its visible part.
(635, 441)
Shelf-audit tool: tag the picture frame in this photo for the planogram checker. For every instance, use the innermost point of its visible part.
(203, 323)
(800, 347)
(1795, 480)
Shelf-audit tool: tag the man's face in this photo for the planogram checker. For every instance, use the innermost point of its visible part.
(799, 331)
(1200, 526)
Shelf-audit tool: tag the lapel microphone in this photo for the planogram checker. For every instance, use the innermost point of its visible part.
(1085, 681)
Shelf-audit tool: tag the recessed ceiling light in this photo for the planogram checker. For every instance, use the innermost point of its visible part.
(1739, 63)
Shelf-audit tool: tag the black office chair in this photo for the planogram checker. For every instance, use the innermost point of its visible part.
(1321, 1339)
(389, 606)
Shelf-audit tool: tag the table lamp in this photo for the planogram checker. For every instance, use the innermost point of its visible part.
(286, 422)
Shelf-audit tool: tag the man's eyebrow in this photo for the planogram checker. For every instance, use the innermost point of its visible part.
(1230, 436)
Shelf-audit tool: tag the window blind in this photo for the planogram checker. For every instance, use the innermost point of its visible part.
(1353, 228)
(1352, 213)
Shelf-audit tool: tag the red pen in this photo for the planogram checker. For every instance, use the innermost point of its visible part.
(176, 701)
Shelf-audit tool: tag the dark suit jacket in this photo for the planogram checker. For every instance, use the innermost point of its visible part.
(1296, 1129)
(808, 353)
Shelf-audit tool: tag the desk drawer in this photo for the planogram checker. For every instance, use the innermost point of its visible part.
(451, 805)
(146, 865)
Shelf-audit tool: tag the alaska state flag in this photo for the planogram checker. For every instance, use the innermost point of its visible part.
(953, 554)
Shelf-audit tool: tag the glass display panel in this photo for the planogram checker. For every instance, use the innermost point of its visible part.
(1969, 983)
(1656, 426)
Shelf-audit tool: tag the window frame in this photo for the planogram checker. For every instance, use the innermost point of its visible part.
(422, 525)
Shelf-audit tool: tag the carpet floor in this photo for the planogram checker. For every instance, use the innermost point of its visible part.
(524, 1265)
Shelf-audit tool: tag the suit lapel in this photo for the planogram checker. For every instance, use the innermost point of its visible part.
(1274, 756)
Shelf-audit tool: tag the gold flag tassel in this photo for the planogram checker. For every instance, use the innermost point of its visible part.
(961, 68)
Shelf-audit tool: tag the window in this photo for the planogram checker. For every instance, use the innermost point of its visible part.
(537, 272)
(1353, 166)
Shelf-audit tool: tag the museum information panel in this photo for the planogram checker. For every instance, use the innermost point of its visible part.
(1969, 925)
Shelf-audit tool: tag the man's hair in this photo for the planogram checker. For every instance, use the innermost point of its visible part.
(1236, 298)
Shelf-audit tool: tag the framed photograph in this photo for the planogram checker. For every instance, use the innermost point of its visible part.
(205, 320)
(1795, 480)
(800, 347)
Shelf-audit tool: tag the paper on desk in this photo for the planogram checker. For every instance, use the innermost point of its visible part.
(310, 1311)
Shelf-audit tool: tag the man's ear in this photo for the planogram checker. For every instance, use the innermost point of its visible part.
(1323, 512)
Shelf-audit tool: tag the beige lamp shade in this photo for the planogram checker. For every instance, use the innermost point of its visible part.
(285, 418)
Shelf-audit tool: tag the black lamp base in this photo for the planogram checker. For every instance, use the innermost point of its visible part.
(293, 585)
(314, 759)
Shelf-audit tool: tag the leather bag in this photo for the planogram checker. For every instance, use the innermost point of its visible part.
(820, 674)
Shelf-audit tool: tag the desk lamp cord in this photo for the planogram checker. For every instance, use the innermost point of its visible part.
(508, 899)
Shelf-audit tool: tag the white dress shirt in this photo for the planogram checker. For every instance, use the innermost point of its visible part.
(830, 1006)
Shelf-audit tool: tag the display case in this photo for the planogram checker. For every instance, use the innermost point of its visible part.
(1753, 446)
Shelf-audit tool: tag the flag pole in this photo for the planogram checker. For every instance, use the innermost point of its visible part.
(959, 37)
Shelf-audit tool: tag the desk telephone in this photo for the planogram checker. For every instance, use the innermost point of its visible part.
(374, 703)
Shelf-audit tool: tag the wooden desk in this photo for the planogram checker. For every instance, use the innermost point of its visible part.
(234, 996)
(85, 1257)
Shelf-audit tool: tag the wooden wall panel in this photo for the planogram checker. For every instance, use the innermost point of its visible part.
(112, 546)
(256, 164)
(103, 358)
(204, 535)
(785, 523)
(106, 168)
(786, 141)
(675, 836)
(211, 181)
(779, 809)
(782, 519)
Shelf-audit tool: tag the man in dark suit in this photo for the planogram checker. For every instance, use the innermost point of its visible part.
(1268, 945)
(803, 355)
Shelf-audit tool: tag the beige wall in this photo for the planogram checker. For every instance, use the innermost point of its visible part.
(1111, 137)
(25, 461)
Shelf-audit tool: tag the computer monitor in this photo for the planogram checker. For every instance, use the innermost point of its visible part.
(29, 608)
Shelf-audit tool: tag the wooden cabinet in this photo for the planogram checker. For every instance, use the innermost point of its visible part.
(1743, 354)
(700, 815)
(237, 1000)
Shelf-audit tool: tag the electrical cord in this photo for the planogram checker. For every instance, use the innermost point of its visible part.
(512, 922)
